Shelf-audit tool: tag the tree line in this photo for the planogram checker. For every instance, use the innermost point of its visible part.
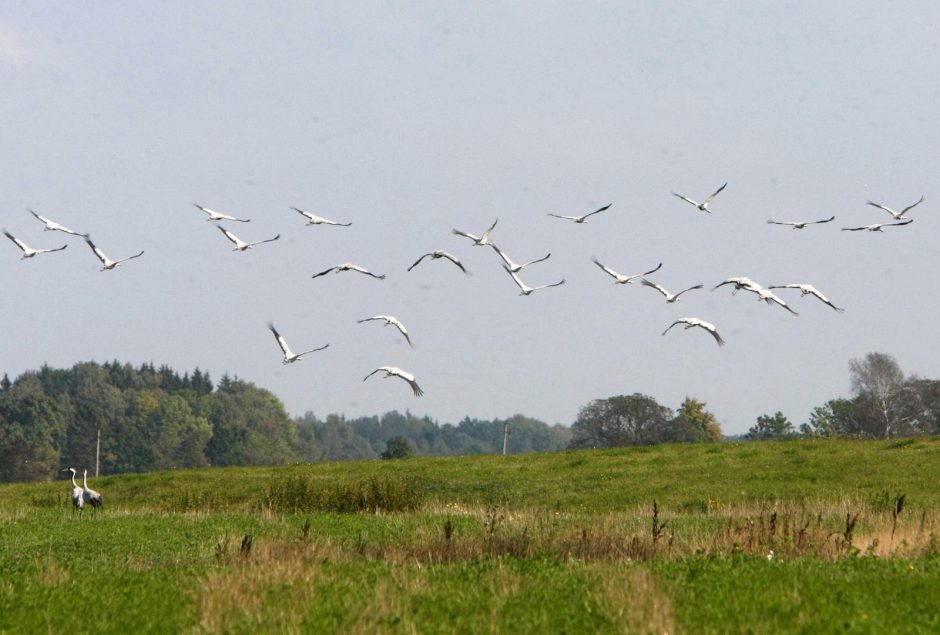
(153, 418)
(156, 419)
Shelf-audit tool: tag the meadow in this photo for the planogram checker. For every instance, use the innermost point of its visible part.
(776, 537)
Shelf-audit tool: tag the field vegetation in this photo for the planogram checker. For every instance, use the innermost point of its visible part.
(766, 537)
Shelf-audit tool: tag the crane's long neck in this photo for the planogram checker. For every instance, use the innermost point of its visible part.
(85, 479)
(74, 484)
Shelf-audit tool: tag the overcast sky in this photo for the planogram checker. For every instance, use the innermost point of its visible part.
(410, 119)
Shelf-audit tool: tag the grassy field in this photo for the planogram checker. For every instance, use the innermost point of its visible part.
(779, 537)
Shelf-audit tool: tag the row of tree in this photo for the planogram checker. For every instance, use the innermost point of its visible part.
(151, 418)
(884, 404)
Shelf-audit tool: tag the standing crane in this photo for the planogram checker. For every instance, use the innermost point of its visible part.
(78, 494)
(91, 497)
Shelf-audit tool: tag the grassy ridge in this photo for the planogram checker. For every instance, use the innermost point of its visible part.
(751, 537)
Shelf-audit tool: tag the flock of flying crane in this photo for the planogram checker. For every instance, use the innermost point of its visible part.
(512, 268)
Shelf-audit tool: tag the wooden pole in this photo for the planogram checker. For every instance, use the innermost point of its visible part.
(97, 453)
(505, 436)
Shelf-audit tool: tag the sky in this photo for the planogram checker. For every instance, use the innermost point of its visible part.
(412, 119)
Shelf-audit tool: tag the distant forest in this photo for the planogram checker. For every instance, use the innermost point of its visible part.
(156, 419)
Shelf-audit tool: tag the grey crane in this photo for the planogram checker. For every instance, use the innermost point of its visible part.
(106, 263)
(392, 371)
(691, 321)
(348, 266)
(29, 252)
(704, 204)
(478, 241)
(313, 219)
(619, 278)
(51, 225)
(581, 219)
(390, 320)
(807, 289)
(214, 215)
(803, 223)
(289, 355)
(525, 289)
(241, 245)
(91, 497)
(897, 215)
(440, 254)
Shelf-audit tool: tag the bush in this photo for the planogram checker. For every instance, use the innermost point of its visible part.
(301, 494)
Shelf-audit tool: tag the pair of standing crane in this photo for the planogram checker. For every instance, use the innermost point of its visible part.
(82, 494)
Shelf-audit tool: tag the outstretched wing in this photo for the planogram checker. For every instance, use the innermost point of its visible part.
(418, 261)
(653, 285)
(686, 199)
(98, 253)
(281, 342)
(16, 241)
(717, 192)
(323, 273)
(910, 207)
(597, 211)
(454, 260)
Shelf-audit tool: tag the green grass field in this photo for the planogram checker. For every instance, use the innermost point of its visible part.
(803, 536)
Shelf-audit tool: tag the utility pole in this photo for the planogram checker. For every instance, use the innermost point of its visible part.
(505, 436)
(97, 452)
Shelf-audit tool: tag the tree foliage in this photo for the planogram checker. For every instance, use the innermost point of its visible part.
(771, 427)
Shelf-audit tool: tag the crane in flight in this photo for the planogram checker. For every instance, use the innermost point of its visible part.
(670, 297)
(802, 224)
(581, 219)
(29, 252)
(513, 267)
(214, 215)
(877, 226)
(241, 245)
(392, 371)
(770, 297)
(348, 266)
(740, 282)
(440, 254)
(313, 219)
(51, 225)
(106, 263)
(807, 289)
(691, 321)
(290, 356)
(622, 279)
(897, 215)
(478, 241)
(704, 204)
(525, 289)
(390, 320)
